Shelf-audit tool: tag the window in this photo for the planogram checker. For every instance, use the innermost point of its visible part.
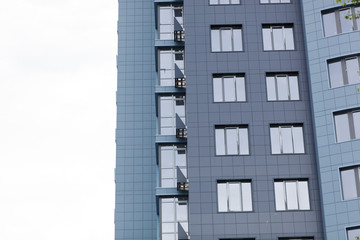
(344, 71)
(347, 125)
(353, 233)
(287, 139)
(350, 182)
(217, 2)
(282, 87)
(291, 195)
(229, 88)
(168, 15)
(334, 21)
(234, 196)
(173, 213)
(297, 238)
(226, 38)
(275, 1)
(170, 61)
(170, 106)
(232, 140)
(171, 157)
(277, 37)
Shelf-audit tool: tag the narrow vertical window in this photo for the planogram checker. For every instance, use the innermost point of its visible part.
(169, 107)
(234, 196)
(169, 16)
(291, 195)
(170, 61)
(229, 88)
(173, 214)
(226, 38)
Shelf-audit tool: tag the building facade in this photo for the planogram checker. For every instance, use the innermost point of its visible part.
(228, 126)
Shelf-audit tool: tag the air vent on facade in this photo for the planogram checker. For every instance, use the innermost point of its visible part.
(180, 82)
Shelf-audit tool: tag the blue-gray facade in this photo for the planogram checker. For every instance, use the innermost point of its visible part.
(333, 155)
(146, 130)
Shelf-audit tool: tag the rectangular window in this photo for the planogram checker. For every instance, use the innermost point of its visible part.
(234, 196)
(232, 140)
(347, 125)
(171, 157)
(170, 62)
(291, 195)
(344, 71)
(169, 107)
(350, 182)
(226, 38)
(275, 1)
(218, 2)
(169, 15)
(173, 214)
(353, 233)
(287, 139)
(229, 88)
(278, 37)
(335, 21)
(282, 87)
(297, 238)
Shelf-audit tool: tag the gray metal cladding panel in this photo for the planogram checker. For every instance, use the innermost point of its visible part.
(203, 114)
(135, 175)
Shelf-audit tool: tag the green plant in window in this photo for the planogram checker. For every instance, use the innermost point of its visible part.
(357, 238)
(345, 3)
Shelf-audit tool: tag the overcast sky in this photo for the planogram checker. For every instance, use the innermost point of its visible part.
(57, 119)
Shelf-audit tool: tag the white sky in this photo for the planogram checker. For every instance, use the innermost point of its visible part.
(57, 119)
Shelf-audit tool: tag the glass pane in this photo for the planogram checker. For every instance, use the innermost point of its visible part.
(329, 23)
(352, 68)
(226, 40)
(294, 88)
(274, 1)
(229, 89)
(181, 211)
(240, 89)
(303, 194)
(286, 140)
(342, 127)
(270, 87)
(356, 118)
(166, 107)
(235, 1)
(275, 140)
(279, 196)
(167, 183)
(213, 2)
(264, 1)
(168, 227)
(348, 184)
(237, 40)
(357, 11)
(291, 196)
(244, 141)
(234, 197)
(167, 156)
(298, 140)
(180, 156)
(283, 89)
(218, 90)
(166, 61)
(231, 141)
(267, 39)
(346, 24)
(222, 197)
(167, 210)
(220, 141)
(289, 38)
(215, 40)
(336, 74)
(167, 173)
(285, 1)
(246, 196)
(224, 1)
(353, 234)
(166, 15)
(278, 38)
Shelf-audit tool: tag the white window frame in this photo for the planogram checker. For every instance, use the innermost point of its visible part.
(275, 1)
(292, 94)
(169, 35)
(353, 187)
(352, 233)
(168, 166)
(285, 39)
(296, 146)
(236, 43)
(344, 72)
(283, 192)
(230, 203)
(353, 125)
(222, 134)
(173, 223)
(168, 67)
(170, 114)
(238, 87)
(338, 17)
(221, 2)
